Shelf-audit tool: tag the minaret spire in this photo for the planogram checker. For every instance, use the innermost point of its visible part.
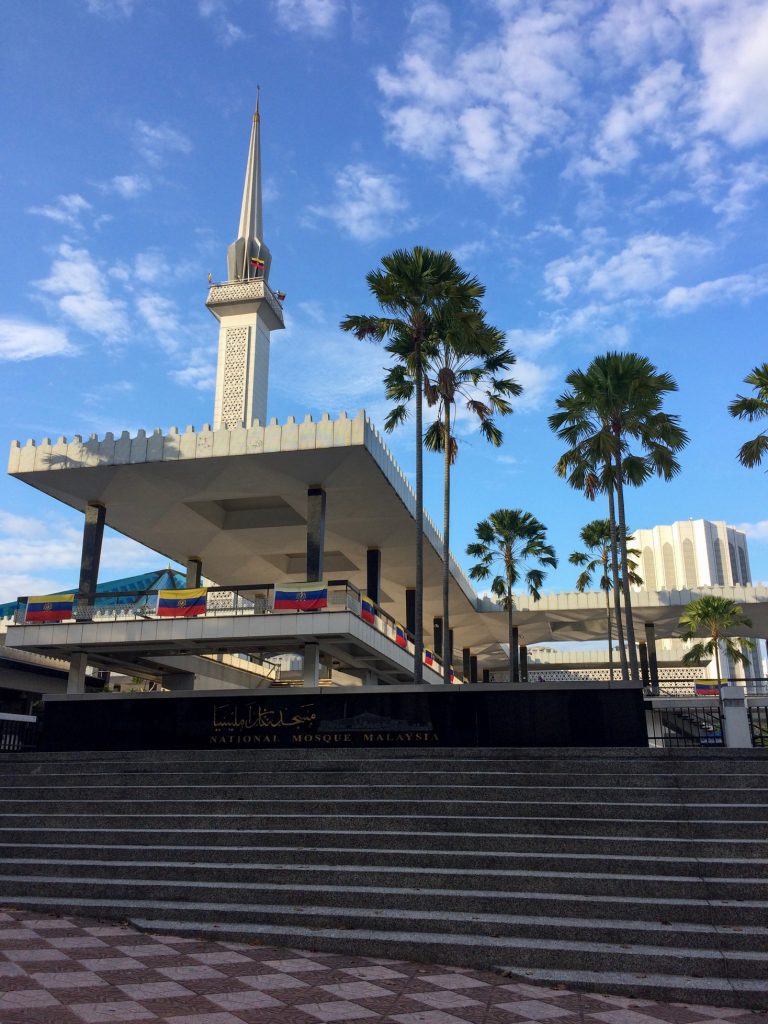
(250, 233)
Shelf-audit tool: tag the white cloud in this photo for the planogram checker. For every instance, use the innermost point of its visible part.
(733, 59)
(128, 186)
(66, 210)
(635, 30)
(748, 178)
(367, 202)
(27, 544)
(79, 287)
(646, 263)
(111, 8)
(161, 315)
(755, 531)
(20, 339)
(217, 12)
(155, 142)
(537, 380)
(315, 17)
(489, 105)
(151, 266)
(734, 288)
(199, 372)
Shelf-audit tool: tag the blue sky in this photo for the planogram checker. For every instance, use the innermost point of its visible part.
(600, 166)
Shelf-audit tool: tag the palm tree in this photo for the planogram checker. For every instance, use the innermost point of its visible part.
(411, 287)
(596, 538)
(752, 408)
(464, 363)
(516, 542)
(714, 616)
(619, 400)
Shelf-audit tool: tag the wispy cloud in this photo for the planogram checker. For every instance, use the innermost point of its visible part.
(217, 12)
(367, 204)
(755, 531)
(78, 286)
(111, 8)
(155, 142)
(741, 288)
(313, 17)
(67, 210)
(128, 186)
(21, 340)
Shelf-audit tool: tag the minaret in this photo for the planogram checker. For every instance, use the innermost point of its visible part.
(246, 308)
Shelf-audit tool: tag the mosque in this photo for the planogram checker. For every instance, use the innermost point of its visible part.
(303, 531)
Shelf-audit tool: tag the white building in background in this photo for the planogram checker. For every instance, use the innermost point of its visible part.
(695, 553)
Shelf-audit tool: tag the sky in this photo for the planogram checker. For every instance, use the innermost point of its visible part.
(601, 167)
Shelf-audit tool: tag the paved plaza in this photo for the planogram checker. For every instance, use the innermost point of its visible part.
(62, 970)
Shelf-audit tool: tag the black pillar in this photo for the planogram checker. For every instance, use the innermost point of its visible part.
(515, 656)
(486, 675)
(473, 669)
(410, 611)
(450, 644)
(194, 572)
(523, 663)
(643, 649)
(653, 665)
(466, 657)
(315, 533)
(93, 534)
(438, 638)
(373, 574)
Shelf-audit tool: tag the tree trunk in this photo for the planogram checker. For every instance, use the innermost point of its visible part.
(510, 612)
(716, 638)
(610, 631)
(418, 644)
(616, 584)
(446, 652)
(634, 668)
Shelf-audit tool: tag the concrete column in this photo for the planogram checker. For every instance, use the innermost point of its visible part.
(194, 572)
(644, 672)
(523, 663)
(733, 705)
(653, 665)
(486, 675)
(473, 669)
(76, 678)
(93, 534)
(179, 680)
(515, 655)
(466, 660)
(311, 664)
(410, 611)
(315, 533)
(373, 574)
(450, 643)
(438, 637)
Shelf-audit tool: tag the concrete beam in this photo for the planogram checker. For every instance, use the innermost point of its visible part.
(315, 532)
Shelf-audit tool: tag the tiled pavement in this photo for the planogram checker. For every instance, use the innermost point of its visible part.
(60, 970)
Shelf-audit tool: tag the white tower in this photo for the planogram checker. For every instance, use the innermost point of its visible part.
(246, 308)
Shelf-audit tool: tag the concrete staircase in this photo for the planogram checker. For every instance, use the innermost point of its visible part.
(640, 872)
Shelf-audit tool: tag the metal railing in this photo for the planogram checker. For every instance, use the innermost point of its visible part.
(677, 723)
(18, 733)
(758, 724)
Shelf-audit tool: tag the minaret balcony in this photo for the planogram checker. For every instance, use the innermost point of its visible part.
(252, 295)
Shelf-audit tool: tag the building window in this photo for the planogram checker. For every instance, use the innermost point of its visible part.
(689, 563)
(649, 569)
(670, 576)
(719, 571)
(743, 563)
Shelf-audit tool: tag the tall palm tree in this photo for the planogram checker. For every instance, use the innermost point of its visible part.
(516, 542)
(714, 617)
(411, 287)
(596, 538)
(754, 407)
(616, 402)
(465, 363)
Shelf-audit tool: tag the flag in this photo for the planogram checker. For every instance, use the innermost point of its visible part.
(453, 677)
(707, 689)
(400, 636)
(256, 262)
(428, 657)
(172, 603)
(49, 608)
(280, 296)
(367, 610)
(300, 597)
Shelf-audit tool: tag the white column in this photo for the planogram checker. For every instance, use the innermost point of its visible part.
(733, 704)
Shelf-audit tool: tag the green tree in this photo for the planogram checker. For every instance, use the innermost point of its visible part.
(617, 402)
(753, 407)
(514, 542)
(714, 617)
(465, 362)
(411, 288)
(596, 538)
